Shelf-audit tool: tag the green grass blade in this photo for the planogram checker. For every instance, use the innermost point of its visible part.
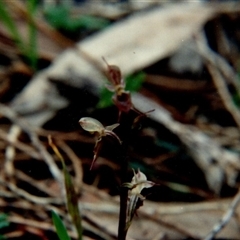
(60, 228)
(72, 199)
(9, 23)
(32, 50)
(72, 202)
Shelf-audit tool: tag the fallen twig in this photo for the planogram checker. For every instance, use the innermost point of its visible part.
(218, 72)
(26, 127)
(32, 198)
(225, 219)
(20, 145)
(10, 150)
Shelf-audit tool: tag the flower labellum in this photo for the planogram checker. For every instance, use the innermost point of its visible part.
(139, 182)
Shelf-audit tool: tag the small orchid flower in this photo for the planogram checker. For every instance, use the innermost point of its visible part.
(135, 200)
(92, 125)
(115, 78)
(121, 97)
(139, 182)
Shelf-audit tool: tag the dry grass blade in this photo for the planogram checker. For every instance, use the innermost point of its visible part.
(72, 198)
(77, 165)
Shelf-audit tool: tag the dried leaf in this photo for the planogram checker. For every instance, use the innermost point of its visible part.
(146, 37)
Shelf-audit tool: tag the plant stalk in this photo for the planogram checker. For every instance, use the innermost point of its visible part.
(122, 229)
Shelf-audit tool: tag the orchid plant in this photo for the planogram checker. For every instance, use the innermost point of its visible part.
(131, 197)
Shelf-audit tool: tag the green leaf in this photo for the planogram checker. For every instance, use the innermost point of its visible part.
(60, 228)
(92, 23)
(134, 82)
(105, 98)
(57, 16)
(60, 18)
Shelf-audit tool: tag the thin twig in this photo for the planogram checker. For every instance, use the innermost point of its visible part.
(35, 224)
(20, 145)
(37, 184)
(32, 198)
(26, 127)
(225, 219)
(10, 150)
(218, 77)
